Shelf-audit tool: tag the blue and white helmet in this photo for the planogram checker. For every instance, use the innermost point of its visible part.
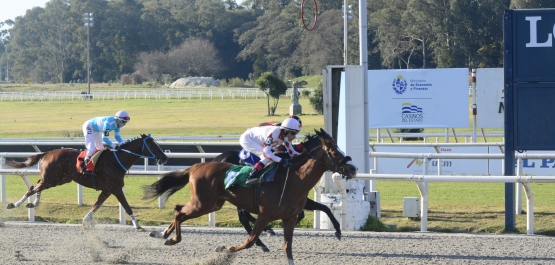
(122, 118)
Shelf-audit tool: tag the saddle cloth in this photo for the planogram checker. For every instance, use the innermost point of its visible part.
(238, 175)
(90, 166)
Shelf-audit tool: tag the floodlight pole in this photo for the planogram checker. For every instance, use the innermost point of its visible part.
(344, 32)
(89, 22)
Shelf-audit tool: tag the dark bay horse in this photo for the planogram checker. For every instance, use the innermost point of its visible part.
(208, 191)
(58, 167)
(246, 218)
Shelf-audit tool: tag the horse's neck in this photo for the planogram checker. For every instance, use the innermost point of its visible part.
(312, 172)
(129, 158)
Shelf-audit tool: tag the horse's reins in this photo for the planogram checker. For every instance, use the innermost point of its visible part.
(335, 169)
(139, 155)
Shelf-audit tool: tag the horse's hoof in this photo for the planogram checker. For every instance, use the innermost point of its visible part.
(170, 242)
(338, 235)
(265, 249)
(10, 206)
(140, 229)
(220, 249)
(156, 234)
(29, 205)
(270, 232)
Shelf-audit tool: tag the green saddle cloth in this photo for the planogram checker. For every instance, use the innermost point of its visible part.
(237, 175)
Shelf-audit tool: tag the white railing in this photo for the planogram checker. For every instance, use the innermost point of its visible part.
(422, 180)
(199, 94)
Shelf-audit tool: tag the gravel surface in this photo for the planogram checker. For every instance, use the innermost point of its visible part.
(46, 243)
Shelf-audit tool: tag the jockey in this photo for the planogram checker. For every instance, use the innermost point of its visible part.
(97, 130)
(262, 140)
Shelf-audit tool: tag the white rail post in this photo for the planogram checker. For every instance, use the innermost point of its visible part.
(518, 203)
(2, 181)
(80, 195)
(317, 198)
(529, 208)
(122, 211)
(160, 199)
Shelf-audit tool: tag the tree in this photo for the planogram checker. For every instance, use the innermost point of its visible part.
(272, 87)
(317, 101)
(194, 57)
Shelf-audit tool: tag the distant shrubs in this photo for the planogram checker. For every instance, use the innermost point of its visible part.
(131, 79)
(236, 82)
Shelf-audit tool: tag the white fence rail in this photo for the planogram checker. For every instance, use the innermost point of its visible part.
(199, 94)
(422, 180)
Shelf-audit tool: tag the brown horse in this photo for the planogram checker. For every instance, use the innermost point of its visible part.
(58, 167)
(208, 191)
(245, 218)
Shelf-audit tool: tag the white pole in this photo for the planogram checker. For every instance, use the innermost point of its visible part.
(363, 44)
(122, 211)
(474, 107)
(80, 195)
(345, 32)
(2, 181)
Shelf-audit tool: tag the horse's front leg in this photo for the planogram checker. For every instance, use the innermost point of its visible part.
(312, 205)
(288, 228)
(123, 201)
(87, 220)
(258, 227)
(245, 218)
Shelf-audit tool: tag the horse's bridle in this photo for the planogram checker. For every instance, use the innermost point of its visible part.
(152, 155)
(334, 168)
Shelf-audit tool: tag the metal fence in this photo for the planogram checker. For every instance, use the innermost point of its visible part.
(179, 94)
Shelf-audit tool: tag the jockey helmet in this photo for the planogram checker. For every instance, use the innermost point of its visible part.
(122, 118)
(291, 125)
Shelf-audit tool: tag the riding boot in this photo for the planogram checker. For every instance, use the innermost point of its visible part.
(85, 163)
(254, 175)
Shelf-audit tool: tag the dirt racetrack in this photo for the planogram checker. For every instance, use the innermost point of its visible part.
(45, 243)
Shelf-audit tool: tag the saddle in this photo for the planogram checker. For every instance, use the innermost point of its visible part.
(238, 175)
(91, 165)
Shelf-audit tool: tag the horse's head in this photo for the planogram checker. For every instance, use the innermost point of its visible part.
(145, 147)
(154, 149)
(337, 161)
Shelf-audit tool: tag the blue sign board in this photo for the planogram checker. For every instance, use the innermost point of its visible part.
(529, 66)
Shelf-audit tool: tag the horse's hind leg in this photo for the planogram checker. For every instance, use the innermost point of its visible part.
(165, 234)
(32, 190)
(121, 198)
(186, 212)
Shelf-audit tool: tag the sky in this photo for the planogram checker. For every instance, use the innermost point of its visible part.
(9, 9)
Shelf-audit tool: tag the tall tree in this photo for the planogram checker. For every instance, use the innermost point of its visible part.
(273, 87)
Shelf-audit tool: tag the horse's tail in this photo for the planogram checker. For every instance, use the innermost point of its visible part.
(31, 161)
(167, 185)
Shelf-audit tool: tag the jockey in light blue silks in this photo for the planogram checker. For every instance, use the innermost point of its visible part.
(97, 130)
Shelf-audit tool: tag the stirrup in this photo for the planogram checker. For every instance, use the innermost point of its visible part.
(88, 173)
(253, 181)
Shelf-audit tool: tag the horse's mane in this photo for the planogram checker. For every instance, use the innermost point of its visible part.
(133, 139)
(310, 142)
